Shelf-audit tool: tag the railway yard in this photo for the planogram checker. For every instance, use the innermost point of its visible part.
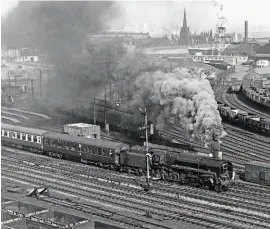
(116, 115)
(83, 196)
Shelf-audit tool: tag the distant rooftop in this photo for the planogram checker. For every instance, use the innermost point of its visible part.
(80, 125)
(262, 71)
(265, 49)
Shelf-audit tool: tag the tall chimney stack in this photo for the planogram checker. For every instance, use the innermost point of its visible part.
(246, 31)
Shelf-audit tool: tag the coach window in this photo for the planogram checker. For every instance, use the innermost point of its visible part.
(23, 137)
(29, 137)
(84, 148)
(99, 151)
(103, 152)
(47, 141)
(35, 138)
(58, 143)
(2, 132)
(110, 153)
(72, 146)
(12, 134)
(94, 150)
(64, 144)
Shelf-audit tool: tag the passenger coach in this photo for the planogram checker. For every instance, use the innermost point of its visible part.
(22, 137)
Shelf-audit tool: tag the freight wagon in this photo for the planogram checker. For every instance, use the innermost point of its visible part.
(257, 172)
(243, 118)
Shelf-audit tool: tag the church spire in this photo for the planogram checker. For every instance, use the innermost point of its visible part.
(185, 19)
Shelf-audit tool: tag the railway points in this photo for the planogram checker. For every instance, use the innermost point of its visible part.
(129, 177)
(227, 206)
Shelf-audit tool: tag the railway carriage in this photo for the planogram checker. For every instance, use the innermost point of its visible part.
(22, 137)
(95, 151)
(176, 167)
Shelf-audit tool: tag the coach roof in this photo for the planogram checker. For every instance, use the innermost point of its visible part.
(23, 129)
(83, 140)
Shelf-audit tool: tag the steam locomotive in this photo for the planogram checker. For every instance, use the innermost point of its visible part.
(179, 167)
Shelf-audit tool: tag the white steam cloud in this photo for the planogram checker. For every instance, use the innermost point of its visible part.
(181, 98)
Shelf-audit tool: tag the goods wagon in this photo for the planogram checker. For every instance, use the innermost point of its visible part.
(244, 118)
(257, 172)
(235, 88)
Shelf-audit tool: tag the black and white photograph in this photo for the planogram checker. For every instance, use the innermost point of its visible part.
(135, 114)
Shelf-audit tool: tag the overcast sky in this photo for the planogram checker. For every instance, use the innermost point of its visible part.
(201, 15)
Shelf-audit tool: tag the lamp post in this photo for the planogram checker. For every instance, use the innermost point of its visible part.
(144, 113)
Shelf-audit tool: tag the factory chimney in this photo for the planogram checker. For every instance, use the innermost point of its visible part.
(246, 31)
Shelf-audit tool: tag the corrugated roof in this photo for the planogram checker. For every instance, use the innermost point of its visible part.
(23, 129)
(82, 140)
(259, 163)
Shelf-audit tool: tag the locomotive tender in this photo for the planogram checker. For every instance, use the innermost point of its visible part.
(176, 167)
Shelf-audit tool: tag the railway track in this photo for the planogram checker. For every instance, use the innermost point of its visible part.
(138, 202)
(233, 198)
(236, 103)
(241, 153)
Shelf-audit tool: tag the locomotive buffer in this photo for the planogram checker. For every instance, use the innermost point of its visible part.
(145, 127)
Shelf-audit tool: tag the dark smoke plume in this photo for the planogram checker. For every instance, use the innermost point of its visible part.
(60, 29)
(180, 98)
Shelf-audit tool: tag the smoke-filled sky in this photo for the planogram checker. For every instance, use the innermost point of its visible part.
(201, 14)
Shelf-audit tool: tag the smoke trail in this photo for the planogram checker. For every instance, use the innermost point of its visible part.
(60, 29)
(181, 98)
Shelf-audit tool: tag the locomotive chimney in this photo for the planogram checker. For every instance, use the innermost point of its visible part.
(246, 31)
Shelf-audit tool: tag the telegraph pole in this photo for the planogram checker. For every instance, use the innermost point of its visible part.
(94, 110)
(40, 82)
(9, 83)
(110, 90)
(32, 88)
(105, 107)
(144, 112)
